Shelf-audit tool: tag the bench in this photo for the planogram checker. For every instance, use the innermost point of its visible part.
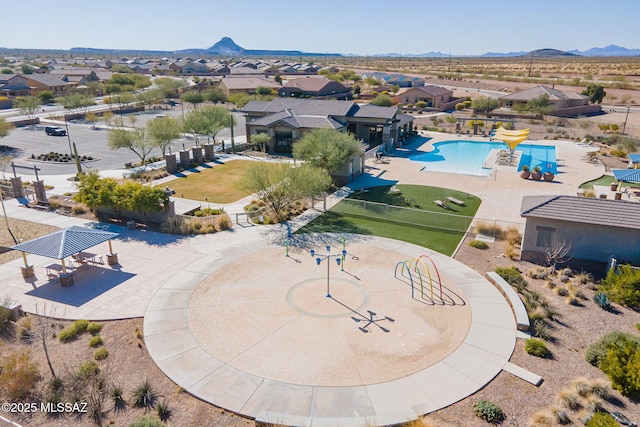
(442, 204)
(517, 306)
(456, 201)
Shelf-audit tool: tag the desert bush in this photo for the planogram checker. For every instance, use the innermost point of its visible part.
(622, 285)
(163, 410)
(513, 277)
(25, 328)
(147, 421)
(562, 291)
(541, 419)
(510, 252)
(513, 236)
(600, 388)
(560, 416)
(6, 317)
(602, 419)
(593, 403)
(95, 341)
(488, 229)
(478, 244)
(94, 328)
(488, 411)
(622, 364)
(572, 300)
(597, 351)
(100, 354)
(569, 399)
(78, 210)
(536, 348)
(72, 332)
(143, 396)
(87, 369)
(223, 222)
(19, 375)
(582, 386)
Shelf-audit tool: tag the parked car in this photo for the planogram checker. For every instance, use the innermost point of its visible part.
(55, 131)
(622, 419)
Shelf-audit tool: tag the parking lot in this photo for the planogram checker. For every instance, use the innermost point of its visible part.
(33, 141)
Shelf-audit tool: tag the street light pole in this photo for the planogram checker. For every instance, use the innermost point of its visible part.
(624, 126)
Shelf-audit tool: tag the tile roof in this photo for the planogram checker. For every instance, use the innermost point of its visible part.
(536, 91)
(585, 210)
(298, 121)
(46, 79)
(375, 111)
(313, 84)
(247, 83)
(432, 90)
(315, 107)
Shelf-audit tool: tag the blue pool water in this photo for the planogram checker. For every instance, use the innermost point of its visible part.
(467, 157)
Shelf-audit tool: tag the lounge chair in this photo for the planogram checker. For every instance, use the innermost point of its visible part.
(442, 204)
(456, 201)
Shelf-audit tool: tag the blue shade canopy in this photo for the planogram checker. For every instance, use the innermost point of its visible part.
(634, 157)
(627, 175)
(64, 243)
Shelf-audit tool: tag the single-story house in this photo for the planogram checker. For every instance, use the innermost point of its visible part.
(314, 87)
(245, 84)
(287, 119)
(434, 96)
(585, 232)
(561, 103)
(76, 75)
(33, 84)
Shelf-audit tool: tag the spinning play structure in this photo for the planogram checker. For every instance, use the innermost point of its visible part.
(412, 268)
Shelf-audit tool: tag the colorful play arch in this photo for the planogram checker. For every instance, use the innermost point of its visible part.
(412, 267)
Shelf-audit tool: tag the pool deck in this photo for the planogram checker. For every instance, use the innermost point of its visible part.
(501, 192)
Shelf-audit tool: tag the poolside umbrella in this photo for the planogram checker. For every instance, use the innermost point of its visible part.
(511, 138)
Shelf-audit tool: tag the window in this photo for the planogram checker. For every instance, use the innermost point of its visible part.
(545, 236)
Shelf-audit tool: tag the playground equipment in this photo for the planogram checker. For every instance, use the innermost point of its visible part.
(412, 267)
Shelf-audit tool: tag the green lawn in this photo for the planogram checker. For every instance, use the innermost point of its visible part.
(605, 180)
(220, 184)
(432, 233)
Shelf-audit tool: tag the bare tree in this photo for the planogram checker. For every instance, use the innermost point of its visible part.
(557, 252)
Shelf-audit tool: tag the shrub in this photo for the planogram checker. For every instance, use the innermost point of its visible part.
(87, 369)
(569, 400)
(581, 386)
(78, 210)
(421, 104)
(601, 299)
(536, 348)
(560, 416)
(622, 364)
(95, 341)
(223, 222)
(19, 375)
(597, 351)
(94, 328)
(488, 411)
(144, 396)
(602, 419)
(6, 317)
(513, 277)
(68, 334)
(25, 328)
(163, 410)
(147, 421)
(541, 419)
(101, 354)
(622, 285)
(478, 244)
(513, 236)
(600, 388)
(488, 229)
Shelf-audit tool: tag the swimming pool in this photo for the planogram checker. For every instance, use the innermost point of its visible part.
(468, 157)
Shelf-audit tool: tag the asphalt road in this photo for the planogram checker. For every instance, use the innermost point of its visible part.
(27, 141)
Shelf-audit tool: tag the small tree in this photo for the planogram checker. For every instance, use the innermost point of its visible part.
(382, 100)
(260, 140)
(280, 185)
(94, 191)
(5, 127)
(91, 118)
(215, 95)
(76, 102)
(135, 140)
(193, 97)
(263, 90)
(485, 105)
(557, 252)
(328, 149)
(28, 105)
(162, 131)
(595, 92)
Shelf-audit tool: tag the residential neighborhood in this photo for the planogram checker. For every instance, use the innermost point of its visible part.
(234, 237)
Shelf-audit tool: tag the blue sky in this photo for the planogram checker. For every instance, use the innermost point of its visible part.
(362, 27)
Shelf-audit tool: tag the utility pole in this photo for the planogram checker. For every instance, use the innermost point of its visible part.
(530, 64)
(624, 126)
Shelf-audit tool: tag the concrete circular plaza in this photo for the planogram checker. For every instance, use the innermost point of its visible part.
(259, 336)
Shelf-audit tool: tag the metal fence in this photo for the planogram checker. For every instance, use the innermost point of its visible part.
(404, 215)
(426, 219)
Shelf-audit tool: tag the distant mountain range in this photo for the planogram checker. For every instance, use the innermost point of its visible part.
(227, 47)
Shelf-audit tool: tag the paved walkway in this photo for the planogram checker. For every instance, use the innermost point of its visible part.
(227, 315)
